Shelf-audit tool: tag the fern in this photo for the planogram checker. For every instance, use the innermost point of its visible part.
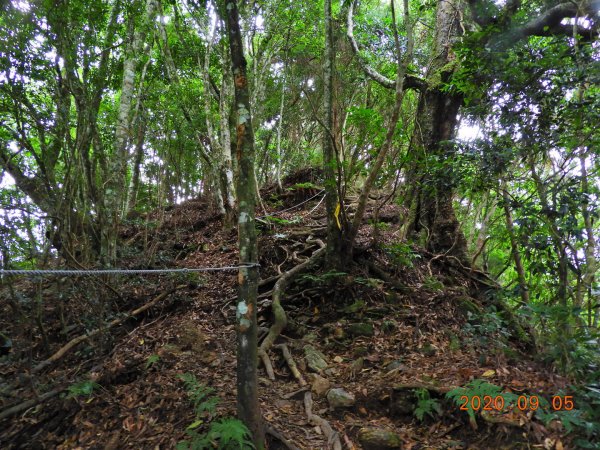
(200, 395)
(226, 434)
(231, 434)
(426, 405)
(82, 389)
(481, 389)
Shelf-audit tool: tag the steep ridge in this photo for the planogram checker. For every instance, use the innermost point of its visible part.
(396, 331)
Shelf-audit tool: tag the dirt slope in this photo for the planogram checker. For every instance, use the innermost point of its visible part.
(397, 329)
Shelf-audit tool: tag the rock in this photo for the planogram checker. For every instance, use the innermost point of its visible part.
(378, 439)
(359, 351)
(319, 385)
(314, 358)
(397, 365)
(361, 329)
(339, 398)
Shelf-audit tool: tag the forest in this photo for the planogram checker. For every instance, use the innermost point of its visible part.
(340, 224)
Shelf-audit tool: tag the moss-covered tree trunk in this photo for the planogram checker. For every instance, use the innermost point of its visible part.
(247, 346)
(334, 253)
(430, 180)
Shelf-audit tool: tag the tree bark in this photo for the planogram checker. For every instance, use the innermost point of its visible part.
(514, 245)
(430, 180)
(247, 343)
(334, 252)
(391, 127)
(116, 192)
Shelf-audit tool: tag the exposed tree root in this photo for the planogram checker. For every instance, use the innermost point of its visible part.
(333, 437)
(269, 429)
(291, 364)
(78, 340)
(280, 318)
(15, 409)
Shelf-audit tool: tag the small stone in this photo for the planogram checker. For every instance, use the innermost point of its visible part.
(396, 365)
(378, 439)
(339, 398)
(359, 351)
(338, 359)
(361, 329)
(319, 385)
(314, 359)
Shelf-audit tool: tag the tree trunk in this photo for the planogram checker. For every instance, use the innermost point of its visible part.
(226, 164)
(247, 343)
(391, 127)
(430, 180)
(514, 245)
(334, 253)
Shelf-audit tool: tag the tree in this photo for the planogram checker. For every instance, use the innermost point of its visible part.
(247, 380)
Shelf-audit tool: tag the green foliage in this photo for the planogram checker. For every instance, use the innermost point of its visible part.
(323, 278)
(432, 283)
(402, 254)
(226, 434)
(478, 389)
(82, 389)
(152, 359)
(306, 185)
(583, 420)
(426, 405)
(279, 221)
(487, 328)
(200, 395)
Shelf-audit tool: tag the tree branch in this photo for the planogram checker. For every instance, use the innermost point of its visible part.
(410, 81)
(548, 23)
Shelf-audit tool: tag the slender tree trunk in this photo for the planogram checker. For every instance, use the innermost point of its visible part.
(137, 162)
(139, 120)
(115, 192)
(391, 128)
(247, 345)
(514, 245)
(226, 163)
(560, 247)
(279, 128)
(334, 253)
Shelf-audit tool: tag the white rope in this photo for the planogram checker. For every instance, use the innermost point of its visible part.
(77, 272)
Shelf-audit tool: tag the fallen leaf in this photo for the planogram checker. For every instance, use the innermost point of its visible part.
(489, 373)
